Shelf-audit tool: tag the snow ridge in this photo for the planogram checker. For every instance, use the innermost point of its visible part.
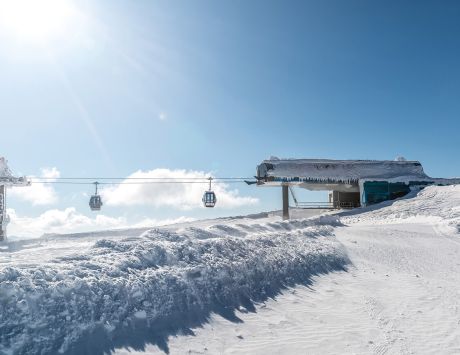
(161, 282)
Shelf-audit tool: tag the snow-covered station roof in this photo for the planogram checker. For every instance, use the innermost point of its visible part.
(301, 171)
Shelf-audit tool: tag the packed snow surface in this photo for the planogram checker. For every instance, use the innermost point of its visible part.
(111, 291)
(401, 295)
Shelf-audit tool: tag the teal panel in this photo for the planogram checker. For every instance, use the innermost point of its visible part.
(378, 191)
(375, 192)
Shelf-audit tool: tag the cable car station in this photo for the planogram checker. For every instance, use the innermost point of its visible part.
(351, 183)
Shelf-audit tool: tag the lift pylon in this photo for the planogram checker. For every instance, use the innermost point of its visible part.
(7, 180)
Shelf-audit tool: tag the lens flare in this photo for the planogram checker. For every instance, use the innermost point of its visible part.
(36, 20)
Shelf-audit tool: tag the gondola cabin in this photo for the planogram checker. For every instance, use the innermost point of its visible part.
(95, 203)
(209, 199)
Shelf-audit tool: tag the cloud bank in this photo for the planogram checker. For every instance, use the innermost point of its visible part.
(39, 193)
(71, 221)
(181, 196)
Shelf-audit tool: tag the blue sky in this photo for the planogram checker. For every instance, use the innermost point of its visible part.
(207, 86)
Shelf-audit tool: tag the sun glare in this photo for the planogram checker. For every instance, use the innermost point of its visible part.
(36, 19)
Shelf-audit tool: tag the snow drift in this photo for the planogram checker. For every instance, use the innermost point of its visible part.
(127, 292)
(439, 204)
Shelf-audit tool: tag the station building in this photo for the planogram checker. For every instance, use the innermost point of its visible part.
(351, 183)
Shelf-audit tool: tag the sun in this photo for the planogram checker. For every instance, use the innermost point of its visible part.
(36, 20)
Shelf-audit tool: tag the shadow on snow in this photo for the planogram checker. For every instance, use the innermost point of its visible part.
(139, 291)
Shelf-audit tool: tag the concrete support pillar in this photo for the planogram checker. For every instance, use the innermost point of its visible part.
(285, 190)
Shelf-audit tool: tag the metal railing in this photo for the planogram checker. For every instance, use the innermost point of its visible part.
(326, 205)
(347, 204)
(322, 204)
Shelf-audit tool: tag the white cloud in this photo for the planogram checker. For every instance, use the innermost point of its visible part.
(71, 221)
(180, 196)
(162, 116)
(51, 173)
(39, 193)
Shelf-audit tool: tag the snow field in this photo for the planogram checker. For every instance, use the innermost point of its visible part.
(400, 294)
(176, 288)
(115, 292)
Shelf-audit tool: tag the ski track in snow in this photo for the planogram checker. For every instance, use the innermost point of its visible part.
(113, 292)
(400, 296)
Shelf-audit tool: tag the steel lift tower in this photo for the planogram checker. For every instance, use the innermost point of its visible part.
(7, 180)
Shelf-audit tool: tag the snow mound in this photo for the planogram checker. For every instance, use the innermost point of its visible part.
(122, 291)
(438, 204)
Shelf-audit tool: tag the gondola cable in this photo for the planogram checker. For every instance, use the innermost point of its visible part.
(209, 197)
